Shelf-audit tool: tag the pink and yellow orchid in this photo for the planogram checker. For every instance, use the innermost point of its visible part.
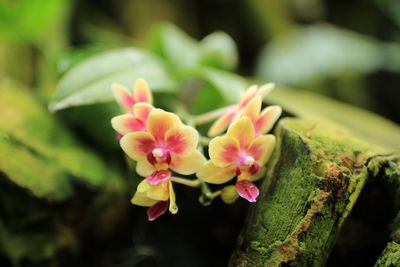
(126, 100)
(134, 121)
(239, 153)
(137, 107)
(157, 197)
(263, 122)
(235, 111)
(166, 144)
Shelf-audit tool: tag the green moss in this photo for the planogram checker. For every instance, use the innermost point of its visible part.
(287, 224)
(390, 256)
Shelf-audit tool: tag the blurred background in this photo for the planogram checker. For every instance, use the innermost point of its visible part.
(65, 185)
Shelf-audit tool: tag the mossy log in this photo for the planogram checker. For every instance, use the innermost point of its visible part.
(315, 178)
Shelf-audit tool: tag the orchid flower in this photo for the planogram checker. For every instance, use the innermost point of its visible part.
(166, 145)
(126, 100)
(239, 153)
(157, 197)
(263, 122)
(234, 112)
(137, 107)
(134, 121)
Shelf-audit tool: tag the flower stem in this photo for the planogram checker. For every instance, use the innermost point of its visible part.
(209, 116)
(187, 182)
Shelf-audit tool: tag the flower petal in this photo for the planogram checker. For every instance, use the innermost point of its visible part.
(252, 110)
(223, 150)
(127, 123)
(259, 175)
(157, 210)
(160, 121)
(159, 191)
(144, 168)
(216, 175)
(247, 190)
(173, 208)
(243, 131)
(137, 145)
(247, 96)
(189, 164)
(141, 199)
(261, 148)
(265, 89)
(267, 119)
(141, 92)
(158, 176)
(220, 125)
(123, 97)
(181, 140)
(142, 110)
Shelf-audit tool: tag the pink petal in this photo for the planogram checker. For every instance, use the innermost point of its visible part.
(158, 176)
(119, 136)
(157, 210)
(135, 124)
(247, 190)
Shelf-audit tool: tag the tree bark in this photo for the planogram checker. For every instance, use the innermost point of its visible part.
(314, 179)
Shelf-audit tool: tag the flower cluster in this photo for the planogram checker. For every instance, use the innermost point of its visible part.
(164, 147)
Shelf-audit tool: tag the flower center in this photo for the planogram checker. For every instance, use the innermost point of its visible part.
(157, 153)
(248, 160)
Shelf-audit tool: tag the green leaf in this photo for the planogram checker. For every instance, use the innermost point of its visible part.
(228, 84)
(218, 50)
(41, 176)
(175, 46)
(90, 81)
(47, 149)
(378, 132)
(317, 51)
(27, 19)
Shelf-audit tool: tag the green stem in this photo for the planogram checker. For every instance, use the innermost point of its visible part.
(209, 116)
(187, 182)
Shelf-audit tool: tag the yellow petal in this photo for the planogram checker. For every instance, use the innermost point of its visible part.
(223, 150)
(141, 92)
(181, 140)
(259, 175)
(261, 148)
(247, 96)
(252, 110)
(159, 192)
(160, 121)
(267, 119)
(220, 125)
(173, 208)
(265, 89)
(137, 145)
(141, 199)
(123, 96)
(144, 168)
(142, 110)
(243, 131)
(127, 123)
(216, 175)
(189, 164)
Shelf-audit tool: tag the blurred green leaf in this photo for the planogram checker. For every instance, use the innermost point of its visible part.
(42, 177)
(228, 84)
(26, 19)
(38, 139)
(218, 50)
(175, 46)
(315, 52)
(370, 127)
(90, 81)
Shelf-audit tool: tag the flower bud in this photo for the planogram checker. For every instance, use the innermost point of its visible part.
(229, 194)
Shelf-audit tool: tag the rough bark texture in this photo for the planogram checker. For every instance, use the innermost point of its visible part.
(315, 178)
